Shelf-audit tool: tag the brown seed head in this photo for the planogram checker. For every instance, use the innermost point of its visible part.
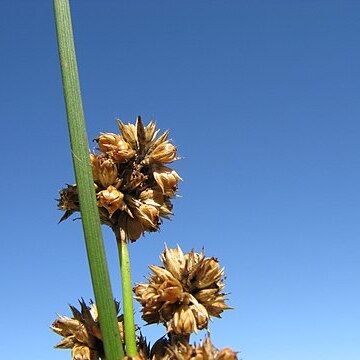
(82, 333)
(133, 187)
(180, 350)
(184, 293)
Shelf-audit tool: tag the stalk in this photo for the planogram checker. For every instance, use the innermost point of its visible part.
(129, 323)
(84, 179)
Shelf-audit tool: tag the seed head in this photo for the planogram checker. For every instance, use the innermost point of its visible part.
(168, 349)
(184, 293)
(82, 333)
(133, 186)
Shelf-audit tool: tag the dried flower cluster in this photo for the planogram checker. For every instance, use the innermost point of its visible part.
(165, 349)
(82, 333)
(184, 293)
(133, 185)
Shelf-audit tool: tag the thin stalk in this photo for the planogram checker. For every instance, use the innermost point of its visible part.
(84, 179)
(129, 323)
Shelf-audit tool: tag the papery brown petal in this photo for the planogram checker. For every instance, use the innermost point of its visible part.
(174, 261)
(150, 133)
(129, 133)
(162, 138)
(161, 273)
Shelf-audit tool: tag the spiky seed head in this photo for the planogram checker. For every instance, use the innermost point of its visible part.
(133, 186)
(183, 293)
(82, 333)
(182, 350)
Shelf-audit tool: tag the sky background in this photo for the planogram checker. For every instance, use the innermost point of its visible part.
(262, 101)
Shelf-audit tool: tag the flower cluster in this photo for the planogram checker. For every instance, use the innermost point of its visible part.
(164, 349)
(82, 333)
(133, 184)
(134, 187)
(183, 293)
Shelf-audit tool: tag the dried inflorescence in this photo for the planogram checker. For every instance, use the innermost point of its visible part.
(133, 185)
(166, 349)
(82, 333)
(184, 293)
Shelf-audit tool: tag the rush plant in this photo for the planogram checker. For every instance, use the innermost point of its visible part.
(128, 184)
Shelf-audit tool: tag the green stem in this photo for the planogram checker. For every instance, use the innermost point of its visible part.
(84, 179)
(129, 323)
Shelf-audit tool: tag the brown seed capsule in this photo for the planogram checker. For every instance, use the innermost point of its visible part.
(166, 178)
(107, 172)
(115, 146)
(149, 217)
(163, 153)
(183, 321)
(152, 197)
(111, 199)
(108, 142)
(66, 327)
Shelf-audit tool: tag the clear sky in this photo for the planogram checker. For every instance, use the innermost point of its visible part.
(262, 100)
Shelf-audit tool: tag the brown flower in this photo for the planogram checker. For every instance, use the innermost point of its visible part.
(184, 293)
(163, 153)
(111, 199)
(116, 147)
(166, 178)
(176, 349)
(133, 186)
(82, 333)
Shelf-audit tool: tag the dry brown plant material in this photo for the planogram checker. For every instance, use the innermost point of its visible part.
(184, 293)
(133, 185)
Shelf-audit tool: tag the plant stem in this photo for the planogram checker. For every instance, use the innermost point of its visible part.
(84, 179)
(129, 324)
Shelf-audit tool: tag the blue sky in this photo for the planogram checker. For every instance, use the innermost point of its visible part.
(261, 98)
